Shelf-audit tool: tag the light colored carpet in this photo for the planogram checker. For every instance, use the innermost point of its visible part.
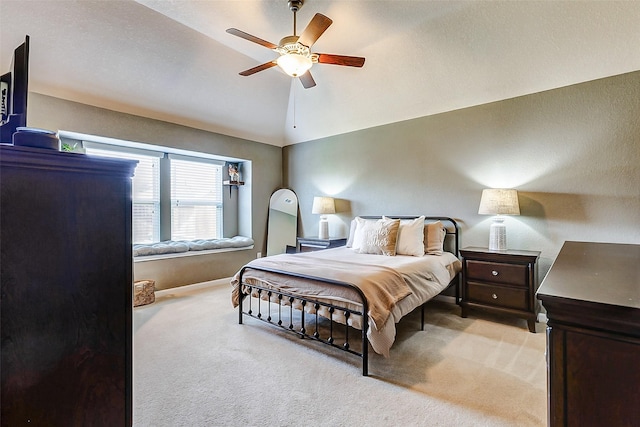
(194, 365)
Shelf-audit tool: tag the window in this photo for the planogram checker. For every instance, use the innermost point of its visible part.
(196, 198)
(175, 195)
(146, 190)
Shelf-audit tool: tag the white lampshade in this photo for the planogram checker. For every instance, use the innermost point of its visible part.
(498, 201)
(323, 206)
(294, 64)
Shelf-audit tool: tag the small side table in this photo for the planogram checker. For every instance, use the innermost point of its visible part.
(500, 281)
(309, 244)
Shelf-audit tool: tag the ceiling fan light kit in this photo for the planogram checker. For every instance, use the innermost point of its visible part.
(296, 58)
(294, 64)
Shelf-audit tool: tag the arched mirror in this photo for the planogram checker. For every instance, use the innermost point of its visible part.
(282, 229)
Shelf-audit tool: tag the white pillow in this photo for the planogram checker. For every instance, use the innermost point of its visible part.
(352, 232)
(355, 239)
(410, 237)
(376, 237)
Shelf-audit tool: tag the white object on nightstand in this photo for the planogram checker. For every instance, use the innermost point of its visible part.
(323, 206)
(498, 202)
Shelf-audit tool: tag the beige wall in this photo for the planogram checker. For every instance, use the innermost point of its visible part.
(265, 176)
(572, 153)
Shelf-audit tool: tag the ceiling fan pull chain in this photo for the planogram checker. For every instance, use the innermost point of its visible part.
(294, 106)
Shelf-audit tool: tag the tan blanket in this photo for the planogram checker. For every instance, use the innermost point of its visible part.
(383, 287)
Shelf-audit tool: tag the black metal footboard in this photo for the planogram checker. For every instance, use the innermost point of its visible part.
(264, 310)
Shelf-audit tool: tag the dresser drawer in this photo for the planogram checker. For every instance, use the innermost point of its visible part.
(501, 296)
(514, 274)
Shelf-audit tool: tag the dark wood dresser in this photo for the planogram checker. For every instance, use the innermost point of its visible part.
(66, 289)
(592, 298)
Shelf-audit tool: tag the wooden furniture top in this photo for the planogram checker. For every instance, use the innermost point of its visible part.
(57, 161)
(513, 254)
(602, 273)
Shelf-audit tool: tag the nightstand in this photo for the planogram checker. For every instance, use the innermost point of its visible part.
(500, 281)
(309, 244)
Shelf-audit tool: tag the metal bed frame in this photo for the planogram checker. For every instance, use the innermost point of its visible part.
(266, 314)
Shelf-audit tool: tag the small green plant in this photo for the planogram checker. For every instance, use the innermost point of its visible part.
(68, 147)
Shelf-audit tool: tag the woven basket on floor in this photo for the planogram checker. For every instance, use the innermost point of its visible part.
(144, 292)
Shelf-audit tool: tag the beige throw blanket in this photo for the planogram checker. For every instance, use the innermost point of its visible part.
(383, 287)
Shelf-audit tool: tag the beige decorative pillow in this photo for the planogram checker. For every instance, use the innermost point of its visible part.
(434, 234)
(377, 237)
(410, 237)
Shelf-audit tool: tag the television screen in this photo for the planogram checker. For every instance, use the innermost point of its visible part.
(5, 86)
(14, 89)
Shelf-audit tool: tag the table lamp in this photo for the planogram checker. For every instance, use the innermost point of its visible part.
(498, 202)
(323, 206)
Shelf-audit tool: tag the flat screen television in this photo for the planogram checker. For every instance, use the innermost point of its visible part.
(14, 90)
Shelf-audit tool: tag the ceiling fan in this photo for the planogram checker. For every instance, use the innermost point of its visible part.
(296, 57)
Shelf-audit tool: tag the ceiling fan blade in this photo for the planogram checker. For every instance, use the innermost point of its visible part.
(306, 80)
(260, 67)
(314, 30)
(251, 38)
(349, 61)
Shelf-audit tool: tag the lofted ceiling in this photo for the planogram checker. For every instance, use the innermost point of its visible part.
(172, 59)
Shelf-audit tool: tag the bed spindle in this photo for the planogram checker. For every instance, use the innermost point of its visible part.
(330, 340)
(259, 304)
(291, 300)
(303, 330)
(346, 330)
(316, 333)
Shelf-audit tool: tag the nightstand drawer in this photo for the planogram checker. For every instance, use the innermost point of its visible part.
(501, 296)
(496, 272)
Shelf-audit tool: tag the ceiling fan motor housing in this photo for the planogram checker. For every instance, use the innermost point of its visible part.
(290, 44)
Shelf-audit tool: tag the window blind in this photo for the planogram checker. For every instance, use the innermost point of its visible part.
(196, 199)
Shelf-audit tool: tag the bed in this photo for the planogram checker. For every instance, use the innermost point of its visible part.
(389, 267)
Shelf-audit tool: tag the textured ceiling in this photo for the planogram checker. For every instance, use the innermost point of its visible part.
(173, 60)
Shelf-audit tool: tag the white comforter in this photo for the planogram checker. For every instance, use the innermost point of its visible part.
(424, 276)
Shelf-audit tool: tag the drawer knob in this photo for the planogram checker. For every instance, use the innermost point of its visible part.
(494, 272)
(494, 296)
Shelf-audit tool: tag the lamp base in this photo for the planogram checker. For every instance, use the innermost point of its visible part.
(323, 229)
(498, 235)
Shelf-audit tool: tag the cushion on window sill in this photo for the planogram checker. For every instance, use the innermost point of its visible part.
(170, 246)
